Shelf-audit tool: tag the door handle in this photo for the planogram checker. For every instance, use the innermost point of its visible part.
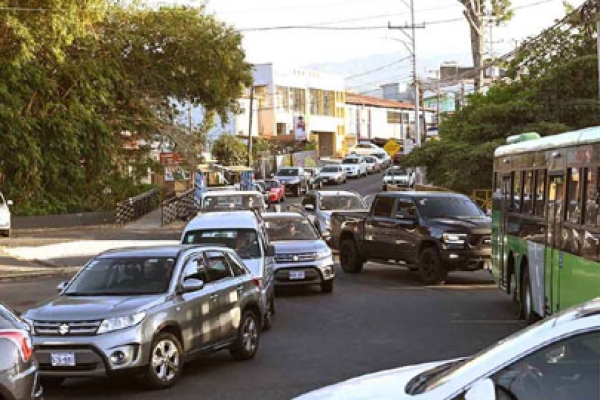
(214, 297)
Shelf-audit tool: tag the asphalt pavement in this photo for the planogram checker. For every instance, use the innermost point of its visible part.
(382, 318)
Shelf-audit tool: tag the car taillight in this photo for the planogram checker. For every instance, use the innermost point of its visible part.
(21, 340)
(257, 282)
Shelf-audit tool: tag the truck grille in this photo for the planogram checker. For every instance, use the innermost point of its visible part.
(295, 257)
(478, 241)
(66, 328)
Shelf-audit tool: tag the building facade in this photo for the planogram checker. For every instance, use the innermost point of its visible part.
(296, 105)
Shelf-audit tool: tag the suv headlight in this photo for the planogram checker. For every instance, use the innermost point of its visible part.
(322, 254)
(455, 239)
(118, 323)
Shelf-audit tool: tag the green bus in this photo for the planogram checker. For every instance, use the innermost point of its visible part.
(546, 220)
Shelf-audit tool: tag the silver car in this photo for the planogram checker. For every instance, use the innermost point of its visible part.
(333, 174)
(18, 368)
(556, 359)
(147, 310)
(301, 255)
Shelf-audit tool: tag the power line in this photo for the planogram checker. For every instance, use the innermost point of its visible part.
(377, 69)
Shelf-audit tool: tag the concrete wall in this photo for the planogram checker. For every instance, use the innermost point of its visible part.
(64, 220)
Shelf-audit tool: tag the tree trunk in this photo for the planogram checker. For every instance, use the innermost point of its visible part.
(477, 51)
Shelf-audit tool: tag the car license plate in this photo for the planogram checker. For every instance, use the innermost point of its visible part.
(62, 359)
(295, 275)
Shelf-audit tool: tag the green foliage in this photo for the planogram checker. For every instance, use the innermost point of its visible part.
(260, 145)
(76, 78)
(557, 94)
(230, 151)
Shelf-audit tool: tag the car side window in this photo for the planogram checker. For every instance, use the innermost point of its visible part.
(568, 369)
(406, 208)
(236, 266)
(217, 266)
(383, 207)
(195, 268)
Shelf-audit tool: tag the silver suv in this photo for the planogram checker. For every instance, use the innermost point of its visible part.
(147, 310)
(301, 255)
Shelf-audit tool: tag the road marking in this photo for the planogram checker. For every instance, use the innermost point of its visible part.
(486, 321)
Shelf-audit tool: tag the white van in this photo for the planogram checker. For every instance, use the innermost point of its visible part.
(5, 223)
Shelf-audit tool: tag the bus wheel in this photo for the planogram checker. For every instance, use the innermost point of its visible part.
(527, 312)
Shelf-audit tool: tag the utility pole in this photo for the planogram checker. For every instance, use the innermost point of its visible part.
(251, 111)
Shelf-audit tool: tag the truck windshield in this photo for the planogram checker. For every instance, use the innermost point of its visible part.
(347, 202)
(123, 277)
(287, 172)
(448, 207)
(243, 241)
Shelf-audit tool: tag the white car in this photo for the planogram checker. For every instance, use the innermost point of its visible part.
(354, 166)
(398, 177)
(555, 359)
(5, 218)
(373, 164)
(366, 149)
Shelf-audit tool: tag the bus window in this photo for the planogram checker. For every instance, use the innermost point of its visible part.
(528, 193)
(516, 192)
(592, 184)
(540, 190)
(573, 193)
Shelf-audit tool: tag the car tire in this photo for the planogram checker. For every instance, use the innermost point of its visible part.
(51, 382)
(350, 260)
(298, 191)
(327, 286)
(431, 269)
(166, 353)
(248, 337)
(527, 312)
(268, 320)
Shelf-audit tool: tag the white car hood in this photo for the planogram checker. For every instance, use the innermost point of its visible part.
(382, 385)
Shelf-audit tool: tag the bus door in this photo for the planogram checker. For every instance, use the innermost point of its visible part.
(503, 227)
(553, 259)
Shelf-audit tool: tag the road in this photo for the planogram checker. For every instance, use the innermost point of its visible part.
(383, 318)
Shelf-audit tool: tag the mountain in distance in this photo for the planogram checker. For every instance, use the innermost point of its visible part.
(366, 74)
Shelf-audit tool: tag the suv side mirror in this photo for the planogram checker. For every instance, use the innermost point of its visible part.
(309, 207)
(326, 236)
(9, 203)
(192, 285)
(270, 251)
(481, 390)
(61, 286)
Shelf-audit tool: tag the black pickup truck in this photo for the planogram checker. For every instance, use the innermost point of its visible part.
(429, 232)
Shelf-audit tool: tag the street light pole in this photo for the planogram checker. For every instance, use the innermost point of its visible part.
(251, 111)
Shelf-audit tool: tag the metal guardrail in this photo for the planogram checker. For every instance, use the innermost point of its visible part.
(135, 207)
(178, 208)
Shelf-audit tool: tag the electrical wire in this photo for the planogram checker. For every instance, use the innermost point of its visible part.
(382, 67)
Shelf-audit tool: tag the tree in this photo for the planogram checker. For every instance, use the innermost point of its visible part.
(230, 151)
(476, 12)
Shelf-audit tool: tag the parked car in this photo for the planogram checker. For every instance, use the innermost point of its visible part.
(294, 179)
(259, 186)
(148, 310)
(320, 204)
(315, 181)
(5, 218)
(398, 177)
(301, 255)
(373, 165)
(275, 190)
(431, 232)
(333, 174)
(556, 359)
(384, 159)
(18, 368)
(366, 148)
(232, 200)
(244, 232)
(354, 166)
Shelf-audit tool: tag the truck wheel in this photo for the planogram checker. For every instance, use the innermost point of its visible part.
(527, 299)
(350, 260)
(431, 269)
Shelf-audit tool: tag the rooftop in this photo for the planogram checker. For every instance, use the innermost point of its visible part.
(242, 219)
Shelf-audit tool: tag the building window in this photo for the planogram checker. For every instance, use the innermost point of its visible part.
(298, 98)
(394, 117)
(283, 98)
(281, 129)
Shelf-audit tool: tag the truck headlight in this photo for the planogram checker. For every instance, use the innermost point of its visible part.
(323, 254)
(118, 323)
(455, 239)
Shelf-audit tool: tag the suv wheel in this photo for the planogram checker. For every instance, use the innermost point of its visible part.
(327, 286)
(246, 343)
(166, 362)
(349, 258)
(431, 269)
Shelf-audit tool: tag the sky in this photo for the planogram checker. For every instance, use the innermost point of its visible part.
(446, 30)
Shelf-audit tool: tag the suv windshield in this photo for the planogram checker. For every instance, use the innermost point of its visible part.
(330, 169)
(288, 172)
(123, 277)
(232, 201)
(448, 207)
(341, 202)
(243, 241)
(350, 161)
(290, 229)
